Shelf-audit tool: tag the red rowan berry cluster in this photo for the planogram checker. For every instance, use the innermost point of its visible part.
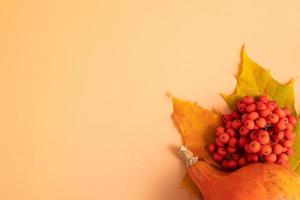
(259, 131)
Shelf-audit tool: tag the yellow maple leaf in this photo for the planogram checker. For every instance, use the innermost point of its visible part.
(254, 80)
(197, 128)
(295, 158)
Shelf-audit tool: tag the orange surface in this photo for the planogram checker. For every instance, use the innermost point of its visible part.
(83, 108)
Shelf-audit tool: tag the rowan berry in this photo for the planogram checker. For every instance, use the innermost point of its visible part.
(266, 149)
(243, 131)
(253, 135)
(271, 157)
(261, 122)
(243, 141)
(253, 158)
(265, 113)
(253, 115)
(222, 151)
(290, 151)
(249, 124)
(212, 148)
(236, 124)
(263, 99)
(233, 142)
(217, 157)
(277, 149)
(283, 156)
(242, 162)
(287, 143)
(251, 107)
(248, 100)
(228, 124)
(219, 143)
(280, 135)
(225, 164)
(247, 148)
(272, 105)
(273, 118)
(281, 125)
(263, 137)
(260, 106)
(244, 117)
(287, 111)
(231, 149)
(289, 135)
(280, 112)
(235, 115)
(231, 132)
(289, 127)
(232, 164)
(241, 107)
(226, 118)
(292, 120)
(254, 146)
(224, 138)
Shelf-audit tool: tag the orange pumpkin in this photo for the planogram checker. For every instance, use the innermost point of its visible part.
(260, 181)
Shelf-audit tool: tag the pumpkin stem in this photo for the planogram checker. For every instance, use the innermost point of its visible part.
(203, 175)
(188, 156)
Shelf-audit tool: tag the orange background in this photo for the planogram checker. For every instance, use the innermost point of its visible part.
(83, 108)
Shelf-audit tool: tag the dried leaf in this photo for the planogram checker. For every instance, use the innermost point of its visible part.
(197, 126)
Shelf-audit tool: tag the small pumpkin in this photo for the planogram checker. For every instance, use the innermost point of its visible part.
(260, 181)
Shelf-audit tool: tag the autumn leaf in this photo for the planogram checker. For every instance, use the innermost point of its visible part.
(283, 94)
(298, 170)
(295, 159)
(254, 80)
(197, 126)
